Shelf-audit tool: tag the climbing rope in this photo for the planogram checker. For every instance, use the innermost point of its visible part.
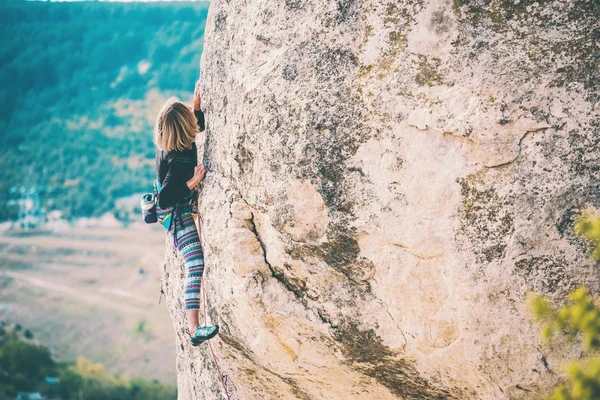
(222, 377)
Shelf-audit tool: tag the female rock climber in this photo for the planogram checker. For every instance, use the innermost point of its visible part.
(178, 177)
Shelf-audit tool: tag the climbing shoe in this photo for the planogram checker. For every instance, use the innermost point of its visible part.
(204, 333)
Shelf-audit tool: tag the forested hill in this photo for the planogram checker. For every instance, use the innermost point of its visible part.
(80, 85)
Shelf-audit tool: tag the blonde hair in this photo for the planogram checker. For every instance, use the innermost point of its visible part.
(176, 126)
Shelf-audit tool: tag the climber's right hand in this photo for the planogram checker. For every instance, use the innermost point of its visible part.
(199, 174)
(197, 97)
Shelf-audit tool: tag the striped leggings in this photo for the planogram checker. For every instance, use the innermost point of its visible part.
(187, 241)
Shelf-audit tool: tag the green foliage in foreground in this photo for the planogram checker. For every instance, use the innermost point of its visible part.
(24, 367)
(80, 86)
(588, 226)
(578, 319)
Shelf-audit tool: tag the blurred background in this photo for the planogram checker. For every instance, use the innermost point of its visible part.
(80, 86)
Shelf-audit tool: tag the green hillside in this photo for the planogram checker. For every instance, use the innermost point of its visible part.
(29, 367)
(80, 85)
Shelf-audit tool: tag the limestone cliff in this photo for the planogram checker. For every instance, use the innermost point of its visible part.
(389, 179)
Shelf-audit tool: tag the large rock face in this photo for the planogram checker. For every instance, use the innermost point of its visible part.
(389, 179)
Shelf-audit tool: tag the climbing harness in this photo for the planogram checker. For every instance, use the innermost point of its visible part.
(168, 218)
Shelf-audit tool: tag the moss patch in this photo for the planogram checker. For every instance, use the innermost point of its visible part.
(573, 58)
(496, 13)
(346, 10)
(365, 352)
(429, 71)
(342, 253)
(220, 21)
(544, 274)
(486, 218)
(292, 284)
(397, 19)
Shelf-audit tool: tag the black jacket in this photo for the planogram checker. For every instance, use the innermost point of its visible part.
(174, 169)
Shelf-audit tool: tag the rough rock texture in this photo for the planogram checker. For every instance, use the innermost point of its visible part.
(389, 179)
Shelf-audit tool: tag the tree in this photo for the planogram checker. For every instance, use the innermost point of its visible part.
(588, 226)
(24, 367)
(71, 84)
(579, 320)
(25, 364)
